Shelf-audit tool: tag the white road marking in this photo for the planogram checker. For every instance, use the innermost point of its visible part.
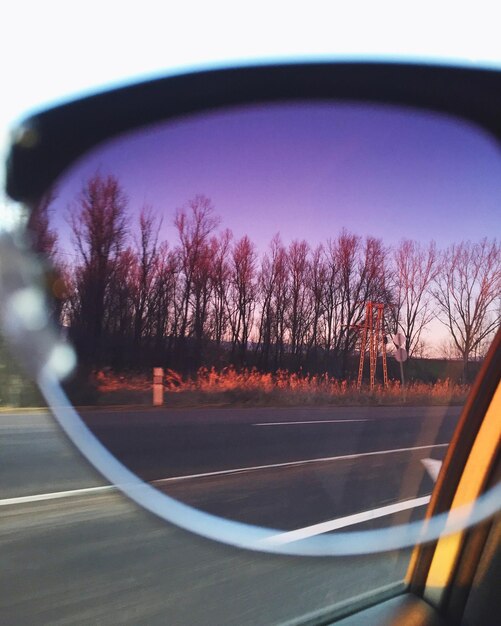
(253, 468)
(343, 522)
(89, 490)
(312, 422)
(433, 467)
(56, 495)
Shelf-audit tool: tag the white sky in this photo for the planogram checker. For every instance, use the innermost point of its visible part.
(55, 48)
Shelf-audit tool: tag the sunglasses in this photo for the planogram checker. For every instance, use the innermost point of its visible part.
(291, 235)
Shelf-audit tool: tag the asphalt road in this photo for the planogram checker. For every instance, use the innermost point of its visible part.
(94, 557)
(281, 468)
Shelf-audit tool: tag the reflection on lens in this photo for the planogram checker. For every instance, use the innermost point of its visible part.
(298, 276)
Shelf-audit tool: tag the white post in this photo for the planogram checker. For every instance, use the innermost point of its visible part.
(158, 386)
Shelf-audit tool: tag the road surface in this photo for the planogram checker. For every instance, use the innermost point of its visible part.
(84, 554)
(277, 467)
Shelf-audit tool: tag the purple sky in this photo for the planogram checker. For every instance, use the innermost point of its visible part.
(309, 170)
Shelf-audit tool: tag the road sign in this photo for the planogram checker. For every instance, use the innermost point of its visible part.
(399, 340)
(432, 466)
(401, 355)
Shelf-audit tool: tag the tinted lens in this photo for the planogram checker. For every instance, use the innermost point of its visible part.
(278, 310)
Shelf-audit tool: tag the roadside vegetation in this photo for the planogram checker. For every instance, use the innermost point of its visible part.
(252, 388)
(16, 389)
(234, 321)
(131, 299)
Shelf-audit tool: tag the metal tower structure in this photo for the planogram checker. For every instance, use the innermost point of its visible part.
(372, 330)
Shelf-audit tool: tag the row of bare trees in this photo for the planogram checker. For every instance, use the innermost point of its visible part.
(208, 298)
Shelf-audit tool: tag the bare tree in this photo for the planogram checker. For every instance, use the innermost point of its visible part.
(164, 309)
(316, 286)
(300, 302)
(243, 294)
(273, 287)
(332, 293)
(201, 293)
(266, 281)
(221, 272)
(118, 322)
(448, 350)
(99, 228)
(43, 238)
(468, 294)
(146, 254)
(194, 223)
(416, 267)
(361, 275)
(279, 300)
(130, 296)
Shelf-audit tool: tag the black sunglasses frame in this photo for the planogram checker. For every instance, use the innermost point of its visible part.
(47, 143)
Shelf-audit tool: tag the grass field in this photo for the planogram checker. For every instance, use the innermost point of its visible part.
(254, 388)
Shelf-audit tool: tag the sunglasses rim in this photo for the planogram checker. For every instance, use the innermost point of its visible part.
(47, 143)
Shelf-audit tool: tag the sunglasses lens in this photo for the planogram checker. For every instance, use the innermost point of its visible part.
(283, 303)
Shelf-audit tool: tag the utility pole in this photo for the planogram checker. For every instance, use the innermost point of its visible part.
(372, 329)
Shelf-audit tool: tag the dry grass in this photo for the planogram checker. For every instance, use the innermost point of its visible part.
(254, 388)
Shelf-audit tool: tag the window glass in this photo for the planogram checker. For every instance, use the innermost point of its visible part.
(277, 312)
